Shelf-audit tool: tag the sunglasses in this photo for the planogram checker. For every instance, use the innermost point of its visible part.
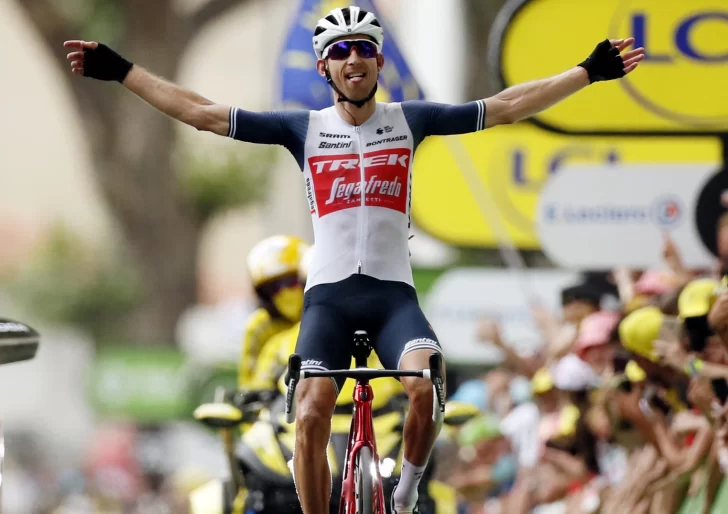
(341, 50)
(273, 287)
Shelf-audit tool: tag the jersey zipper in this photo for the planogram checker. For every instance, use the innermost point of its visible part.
(362, 210)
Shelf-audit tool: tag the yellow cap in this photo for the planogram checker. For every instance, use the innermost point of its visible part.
(634, 373)
(639, 329)
(697, 298)
(541, 381)
(570, 414)
(636, 302)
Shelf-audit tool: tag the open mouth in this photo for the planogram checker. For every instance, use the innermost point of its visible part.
(355, 78)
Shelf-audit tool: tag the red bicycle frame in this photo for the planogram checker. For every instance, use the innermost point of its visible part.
(361, 434)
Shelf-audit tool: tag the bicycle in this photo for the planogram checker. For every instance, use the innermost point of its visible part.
(362, 491)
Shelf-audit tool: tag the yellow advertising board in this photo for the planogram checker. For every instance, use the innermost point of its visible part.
(512, 163)
(680, 87)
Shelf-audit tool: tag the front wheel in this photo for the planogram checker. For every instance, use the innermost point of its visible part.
(363, 486)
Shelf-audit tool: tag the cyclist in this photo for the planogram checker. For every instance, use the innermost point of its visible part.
(274, 358)
(273, 269)
(356, 158)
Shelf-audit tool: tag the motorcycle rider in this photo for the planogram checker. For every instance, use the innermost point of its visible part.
(273, 266)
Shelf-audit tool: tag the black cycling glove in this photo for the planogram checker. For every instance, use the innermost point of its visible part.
(605, 63)
(103, 63)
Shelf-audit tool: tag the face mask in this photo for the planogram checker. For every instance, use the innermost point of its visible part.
(289, 302)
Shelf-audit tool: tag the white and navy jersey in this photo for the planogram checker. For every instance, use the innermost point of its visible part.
(358, 179)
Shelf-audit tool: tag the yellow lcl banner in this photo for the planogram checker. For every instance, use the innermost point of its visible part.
(680, 87)
(512, 163)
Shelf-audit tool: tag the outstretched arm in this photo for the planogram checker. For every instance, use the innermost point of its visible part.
(524, 100)
(286, 128)
(179, 103)
(98, 61)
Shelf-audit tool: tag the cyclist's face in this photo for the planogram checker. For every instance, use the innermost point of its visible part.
(356, 75)
(289, 302)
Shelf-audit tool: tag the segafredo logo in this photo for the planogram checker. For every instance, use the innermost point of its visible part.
(338, 182)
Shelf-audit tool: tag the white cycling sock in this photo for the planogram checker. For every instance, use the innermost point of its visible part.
(405, 497)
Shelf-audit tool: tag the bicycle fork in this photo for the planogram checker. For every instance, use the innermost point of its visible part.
(361, 434)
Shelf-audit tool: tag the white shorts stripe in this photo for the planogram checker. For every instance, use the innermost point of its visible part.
(321, 368)
(419, 344)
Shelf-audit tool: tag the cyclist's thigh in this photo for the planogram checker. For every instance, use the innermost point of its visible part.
(324, 340)
(405, 329)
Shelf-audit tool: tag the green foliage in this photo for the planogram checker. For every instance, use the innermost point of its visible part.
(69, 282)
(226, 180)
(97, 20)
(425, 278)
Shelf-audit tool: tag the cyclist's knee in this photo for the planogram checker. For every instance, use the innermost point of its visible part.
(315, 402)
(419, 392)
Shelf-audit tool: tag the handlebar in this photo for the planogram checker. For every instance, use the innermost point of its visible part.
(433, 373)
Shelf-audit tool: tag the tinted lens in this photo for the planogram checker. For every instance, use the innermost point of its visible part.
(269, 289)
(366, 49)
(341, 50)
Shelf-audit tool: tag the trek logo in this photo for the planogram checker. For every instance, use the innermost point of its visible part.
(337, 181)
(329, 163)
(340, 144)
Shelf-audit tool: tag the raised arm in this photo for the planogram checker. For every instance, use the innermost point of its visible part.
(524, 100)
(98, 61)
(285, 128)
(179, 103)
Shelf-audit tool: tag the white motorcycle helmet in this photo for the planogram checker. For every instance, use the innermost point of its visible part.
(275, 257)
(273, 268)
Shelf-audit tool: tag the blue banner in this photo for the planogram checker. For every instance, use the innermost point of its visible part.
(303, 87)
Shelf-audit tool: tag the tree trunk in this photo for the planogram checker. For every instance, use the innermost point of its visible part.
(480, 15)
(132, 147)
(139, 181)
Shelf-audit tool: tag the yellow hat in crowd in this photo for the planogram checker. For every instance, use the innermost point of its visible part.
(541, 381)
(697, 298)
(634, 373)
(568, 419)
(639, 330)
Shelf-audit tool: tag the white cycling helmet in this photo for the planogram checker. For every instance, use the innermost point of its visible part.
(343, 22)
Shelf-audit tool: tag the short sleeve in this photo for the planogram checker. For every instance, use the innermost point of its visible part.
(435, 119)
(285, 128)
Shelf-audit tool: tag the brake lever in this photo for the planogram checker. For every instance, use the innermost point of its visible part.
(292, 377)
(436, 377)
